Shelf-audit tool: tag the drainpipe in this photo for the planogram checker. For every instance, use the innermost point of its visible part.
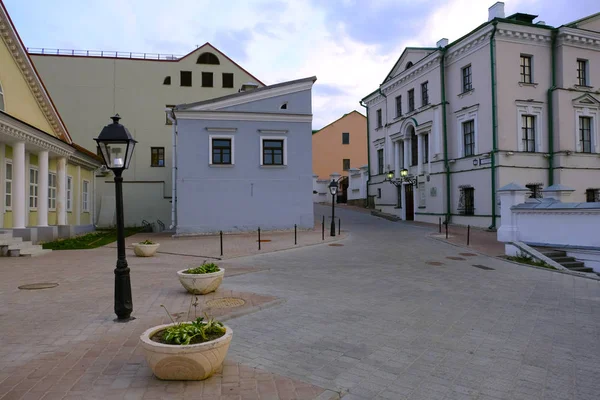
(173, 120)
(551, 112)
(494, 124)
(368, 149)
(445, 133)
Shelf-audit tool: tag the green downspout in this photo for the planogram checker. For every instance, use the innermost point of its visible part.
(494, 125)
(550, 112)
(445, 133)
(368, 151)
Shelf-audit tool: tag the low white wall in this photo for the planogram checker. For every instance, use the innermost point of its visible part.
(357, 183)
(571, 227)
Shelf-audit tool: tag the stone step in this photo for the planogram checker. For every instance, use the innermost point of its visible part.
(9, 241)
(573, 264)
(564, 259)
(582, 269)
(552, 253)
(33, 251)
(19, 245)
(6, 236)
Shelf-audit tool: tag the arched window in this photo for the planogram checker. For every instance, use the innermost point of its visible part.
(409, 64)
(1, 98)
(283, 106)
(208, 58)
(167, 80)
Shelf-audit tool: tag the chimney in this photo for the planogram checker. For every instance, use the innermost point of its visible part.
(246, 87)
(496, 11)
(442, 42)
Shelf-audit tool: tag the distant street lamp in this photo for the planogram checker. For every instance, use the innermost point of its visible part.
(403, 178)
(116, 146)
(333, 188)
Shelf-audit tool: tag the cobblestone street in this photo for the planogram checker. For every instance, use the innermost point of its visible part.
(391, 314)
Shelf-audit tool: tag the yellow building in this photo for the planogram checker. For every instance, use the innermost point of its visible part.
(46, 180)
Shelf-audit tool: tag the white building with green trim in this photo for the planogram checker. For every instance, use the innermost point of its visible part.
(512, 101)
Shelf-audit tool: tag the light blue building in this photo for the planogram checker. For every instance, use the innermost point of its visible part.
(244, 161)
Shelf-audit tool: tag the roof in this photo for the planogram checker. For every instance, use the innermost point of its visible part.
(575, 23)
(87, 152)
(339, 119)
(402, 55)
(522, 17)
(187, 106)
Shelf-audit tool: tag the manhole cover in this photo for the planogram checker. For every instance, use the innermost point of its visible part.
(226, 302)
(483, 267)
(436, 263)
(264, 240)
(336, 244)
(37, 286)
(468, 254)
(456, 258)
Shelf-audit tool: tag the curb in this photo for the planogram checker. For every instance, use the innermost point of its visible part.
(252, 310)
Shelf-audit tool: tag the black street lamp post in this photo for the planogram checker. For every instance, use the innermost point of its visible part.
(333, 187)
(116, 146)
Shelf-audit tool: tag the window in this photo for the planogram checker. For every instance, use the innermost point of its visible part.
(398, 106)
(469, 137)
(227, 80)
(536, 190)
(425, 149)
(408, 65)
(592, 195)
(399, 196)
(186, 78)
(582, 72)
(528, 133)
(380, 161)
(272, 151)
(207, 58)
(467, 82)
(207, 79)
(157, 156)
(167, 120)
(33, 188)
(411, 100)
(167, 80)
(346, 164)
(221, 151)
(8, 186)
(378, 193)
(379, 119)
(466, 202)
(526, 69)
(424, 94)
(85, 204)
(283, 106)
(69, 193)
(52, 191)
(345, 137)
(585, 134)
(414, 148)
(1, 98)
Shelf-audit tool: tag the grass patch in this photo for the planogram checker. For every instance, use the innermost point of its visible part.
(89, 241)
(526, 259)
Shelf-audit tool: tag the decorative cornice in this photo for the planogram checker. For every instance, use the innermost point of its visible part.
(577, 37)
(418, 69)
(21, 58)
(31, 137)
(83, 161)
(468, 45)
(514, 35)
(374, 100)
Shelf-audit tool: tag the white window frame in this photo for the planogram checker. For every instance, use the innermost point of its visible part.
(85, 192)
(69, 193)
(464, 116)
(210, 149)
(36, 186)
(285, 156)
(594, 114)
(538, 112)
(6, 180)
(52, 190)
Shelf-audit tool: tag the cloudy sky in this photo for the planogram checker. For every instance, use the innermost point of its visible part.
(350, 45)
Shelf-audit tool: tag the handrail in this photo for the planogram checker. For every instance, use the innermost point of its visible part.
(103, 53)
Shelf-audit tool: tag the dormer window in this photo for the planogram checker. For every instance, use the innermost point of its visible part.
(409, 64)
(208, 58)
(167, 80)
(1, 98)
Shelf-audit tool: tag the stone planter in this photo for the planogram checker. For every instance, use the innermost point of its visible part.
(145, 250)
(193, 362)
(201, 283)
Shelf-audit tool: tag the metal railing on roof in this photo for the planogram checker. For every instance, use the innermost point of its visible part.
(103, 53)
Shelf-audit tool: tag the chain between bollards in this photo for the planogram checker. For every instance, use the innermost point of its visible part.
(468, 234)
(221, 235)
(259, 238)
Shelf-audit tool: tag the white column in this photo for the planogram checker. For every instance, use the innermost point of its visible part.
(406, 153)
(420, 154)
(2, 183)
(42, 209)
(396, 159)
(76, 205)
(61, 195)
(18, 196)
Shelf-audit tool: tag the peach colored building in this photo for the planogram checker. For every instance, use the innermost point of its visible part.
(341, 145)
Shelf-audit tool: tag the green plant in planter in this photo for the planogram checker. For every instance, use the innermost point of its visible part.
(203, 269)
(147, 241)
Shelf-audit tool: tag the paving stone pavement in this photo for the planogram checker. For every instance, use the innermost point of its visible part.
(371, 319)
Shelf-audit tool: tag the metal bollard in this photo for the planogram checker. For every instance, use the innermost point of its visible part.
(259, 238)
(221, 235)
(440, 224)
(468, 234)
(323, 228)
(295, 234)
(446, 222)
(339, 226)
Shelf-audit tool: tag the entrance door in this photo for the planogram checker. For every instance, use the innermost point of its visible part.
(410, 202)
